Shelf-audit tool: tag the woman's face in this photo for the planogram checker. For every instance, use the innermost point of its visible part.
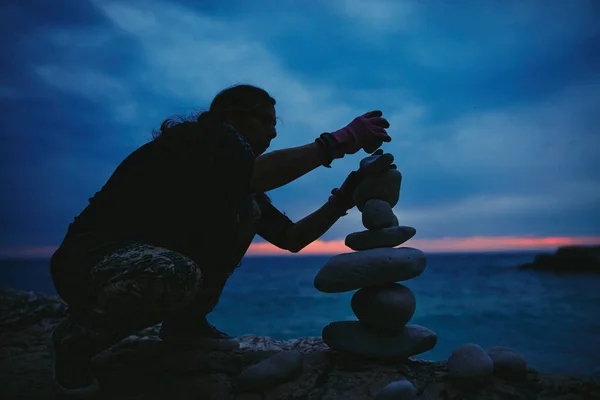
(258, 128)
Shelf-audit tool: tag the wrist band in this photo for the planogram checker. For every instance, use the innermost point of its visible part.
(325, 140)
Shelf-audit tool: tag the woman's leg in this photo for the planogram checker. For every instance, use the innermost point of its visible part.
(133, 287)
(138, 285)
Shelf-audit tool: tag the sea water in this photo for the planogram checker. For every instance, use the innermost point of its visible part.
(554, 320)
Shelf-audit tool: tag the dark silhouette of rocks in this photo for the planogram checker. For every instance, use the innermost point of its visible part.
(143, 367)
(568, 259)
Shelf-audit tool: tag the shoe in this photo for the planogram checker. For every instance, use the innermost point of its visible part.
(201, 335)
(70, 346)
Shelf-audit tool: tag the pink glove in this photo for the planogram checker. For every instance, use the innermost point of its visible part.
(366, 130)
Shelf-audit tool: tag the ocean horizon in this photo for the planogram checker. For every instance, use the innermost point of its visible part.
(478, 297)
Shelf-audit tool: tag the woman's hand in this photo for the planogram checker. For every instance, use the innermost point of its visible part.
(343, 198)
(367, 131)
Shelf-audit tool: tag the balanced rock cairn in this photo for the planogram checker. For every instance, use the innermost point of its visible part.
(382, 306)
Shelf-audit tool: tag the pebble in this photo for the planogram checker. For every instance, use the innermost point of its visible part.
(357, 338)
(507, 362)
(374, 239)
(350, 271)
(280, 367)
(387, 306)
(377, 214)
(470, 362)
(398, 390)
(384, 186)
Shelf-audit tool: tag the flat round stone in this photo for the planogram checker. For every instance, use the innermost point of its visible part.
(356, 338)
(374, 239)
(387, 306)
(351, 271)
(471, 363)
(378, 214)
(384, 186)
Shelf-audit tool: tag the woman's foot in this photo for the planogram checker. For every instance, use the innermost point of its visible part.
(197, 334)
(71, 347)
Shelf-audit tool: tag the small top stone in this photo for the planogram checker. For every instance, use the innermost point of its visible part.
(384, 158)
(378, 214)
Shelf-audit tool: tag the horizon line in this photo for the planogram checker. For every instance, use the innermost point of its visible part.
(447, 244)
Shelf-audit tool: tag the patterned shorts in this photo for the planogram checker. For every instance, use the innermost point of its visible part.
(137, 285)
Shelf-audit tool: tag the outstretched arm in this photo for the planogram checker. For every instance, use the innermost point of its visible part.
(312, 227)
(280, 167)
(279, 230)
(283, 233)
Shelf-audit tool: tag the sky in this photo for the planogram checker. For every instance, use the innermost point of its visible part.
(493, 105)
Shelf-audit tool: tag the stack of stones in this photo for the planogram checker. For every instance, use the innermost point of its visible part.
(382, 306)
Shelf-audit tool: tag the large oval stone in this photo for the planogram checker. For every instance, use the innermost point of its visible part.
(374, 239)
(387, 307)
(378, 214)
(359, 339)
(384, 186)
(350, 271)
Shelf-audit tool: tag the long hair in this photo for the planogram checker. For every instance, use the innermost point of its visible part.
(242, 98)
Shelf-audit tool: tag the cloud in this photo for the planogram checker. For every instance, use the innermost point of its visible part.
(557, 136)
(191, 57)
(378, 16)
(92, 85)
(502, 207)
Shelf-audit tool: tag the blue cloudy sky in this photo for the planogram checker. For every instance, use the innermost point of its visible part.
(493, 105)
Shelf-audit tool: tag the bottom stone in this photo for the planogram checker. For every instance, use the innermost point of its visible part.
(359, 339)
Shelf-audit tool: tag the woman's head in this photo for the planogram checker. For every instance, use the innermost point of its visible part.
(251, 110)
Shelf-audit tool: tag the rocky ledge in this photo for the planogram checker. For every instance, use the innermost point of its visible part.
(568, 259)
(142, 367)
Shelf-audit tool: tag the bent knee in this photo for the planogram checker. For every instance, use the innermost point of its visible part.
(182, 276)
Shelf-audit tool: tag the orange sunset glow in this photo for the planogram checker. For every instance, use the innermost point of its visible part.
(326, 247)
(446, 244)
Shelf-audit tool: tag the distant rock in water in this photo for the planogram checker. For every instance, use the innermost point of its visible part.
(568, 259)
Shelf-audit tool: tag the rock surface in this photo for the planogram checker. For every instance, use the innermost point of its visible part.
(278, 368)
(397, 390)
(141, 367)
(387, 306)
(358, 339)
(568, 259)
(507, 362)
(471, 363)
(350, 271)
(384, 186)
(379, 238)
(378, 214)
